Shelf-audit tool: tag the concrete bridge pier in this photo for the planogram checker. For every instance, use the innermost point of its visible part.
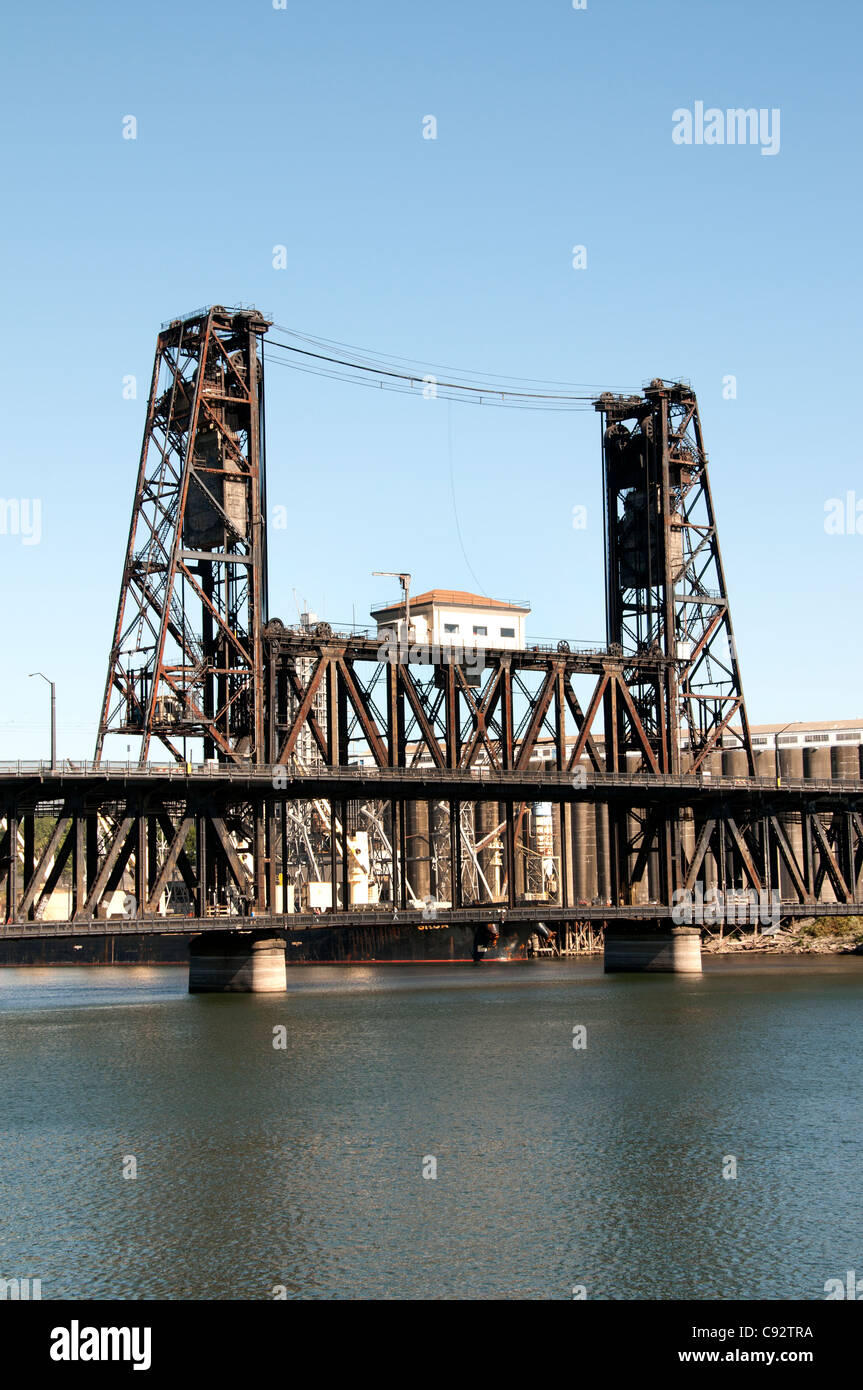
(237, 962)
(636, 946)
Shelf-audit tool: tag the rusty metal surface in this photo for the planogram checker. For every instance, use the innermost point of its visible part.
(186, 659)
(665, 581)
(456, 754)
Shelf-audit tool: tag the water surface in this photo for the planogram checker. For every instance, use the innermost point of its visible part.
(556, 1167)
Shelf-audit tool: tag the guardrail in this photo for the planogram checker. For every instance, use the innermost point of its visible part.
(377, 916)
(574, 647)
(278, 774)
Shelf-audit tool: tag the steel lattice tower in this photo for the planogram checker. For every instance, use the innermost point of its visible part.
(666, 588)
(186, 660)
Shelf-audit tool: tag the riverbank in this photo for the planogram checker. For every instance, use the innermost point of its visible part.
(813, 936)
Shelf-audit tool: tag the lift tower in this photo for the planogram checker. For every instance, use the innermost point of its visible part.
(186, 661)
(666, 589)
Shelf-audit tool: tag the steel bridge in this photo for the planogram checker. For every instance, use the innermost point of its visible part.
(100, 823)
(322, 757)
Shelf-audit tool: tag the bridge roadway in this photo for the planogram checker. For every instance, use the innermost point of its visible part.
(38, 782)
(173, 924)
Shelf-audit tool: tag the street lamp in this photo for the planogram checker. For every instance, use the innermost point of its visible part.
(776, 749)
(405, 581)
(53, 717)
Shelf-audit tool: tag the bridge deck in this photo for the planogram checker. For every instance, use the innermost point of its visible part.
(479, 783)
(174, 924)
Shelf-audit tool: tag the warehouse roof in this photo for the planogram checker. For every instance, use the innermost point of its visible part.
(803, 725)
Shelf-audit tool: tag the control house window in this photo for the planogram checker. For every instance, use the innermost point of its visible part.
(507, 632)
(450, 627)
(480, 632)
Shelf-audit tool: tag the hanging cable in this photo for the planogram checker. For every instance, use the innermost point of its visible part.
(401, 375)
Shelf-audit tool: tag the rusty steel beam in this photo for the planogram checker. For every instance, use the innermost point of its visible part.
(665, 582)
(198, 500)
(146, 838)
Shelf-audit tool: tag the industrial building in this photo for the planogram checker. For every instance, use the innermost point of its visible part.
(799, 733)
(453, 617)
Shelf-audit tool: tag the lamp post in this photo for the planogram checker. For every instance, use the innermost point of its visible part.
(405, 581)
(776, 749)
(53, 717)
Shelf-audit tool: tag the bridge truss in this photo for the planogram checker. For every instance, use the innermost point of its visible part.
(225, 835)
(369, 781)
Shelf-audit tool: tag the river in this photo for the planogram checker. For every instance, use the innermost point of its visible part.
(300, 1168)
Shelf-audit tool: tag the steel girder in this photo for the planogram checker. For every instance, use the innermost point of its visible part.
(357, 702)
(116, 844)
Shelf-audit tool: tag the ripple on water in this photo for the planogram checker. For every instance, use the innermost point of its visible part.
(555, 1167)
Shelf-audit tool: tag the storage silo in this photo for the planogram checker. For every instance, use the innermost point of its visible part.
(735, 763)
(710, 865)
(845, 763)
(688, 838)
(603, 858)
(791, 769)
(418, 848)
(442, 886)
(567, 832)
(488, 818)
(640, 891)
(542, 868)
(817, 767)
(584, 850)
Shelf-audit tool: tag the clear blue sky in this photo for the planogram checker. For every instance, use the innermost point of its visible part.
(303, 127)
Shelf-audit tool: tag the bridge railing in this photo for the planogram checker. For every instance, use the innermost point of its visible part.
(542, 776)
(380, 916)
